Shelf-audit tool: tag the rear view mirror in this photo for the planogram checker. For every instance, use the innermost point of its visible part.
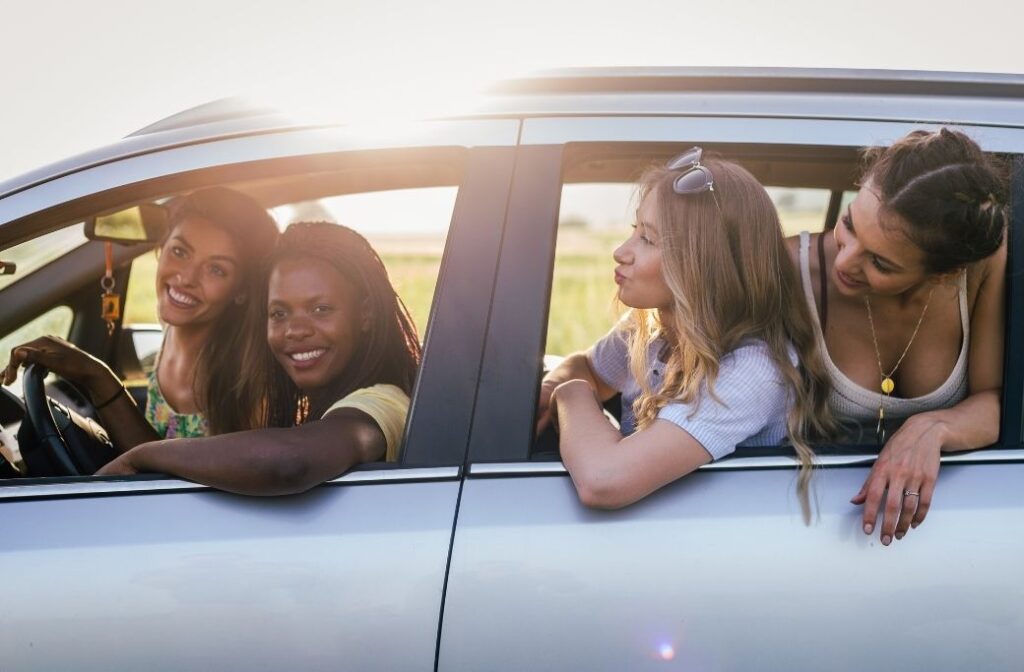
(144, 223)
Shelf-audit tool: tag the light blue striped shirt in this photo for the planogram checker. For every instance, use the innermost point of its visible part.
(754, 399)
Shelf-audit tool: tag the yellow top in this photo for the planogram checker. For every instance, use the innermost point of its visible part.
(387, 405)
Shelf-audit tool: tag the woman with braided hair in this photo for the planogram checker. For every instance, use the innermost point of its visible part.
(908, 296)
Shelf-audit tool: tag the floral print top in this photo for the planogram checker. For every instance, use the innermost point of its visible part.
(167, 422)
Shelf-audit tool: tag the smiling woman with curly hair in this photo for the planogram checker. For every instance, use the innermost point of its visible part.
(336, 364)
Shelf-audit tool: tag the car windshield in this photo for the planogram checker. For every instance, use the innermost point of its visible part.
(37, 252)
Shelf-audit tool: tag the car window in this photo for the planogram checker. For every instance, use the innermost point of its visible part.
(56, 321)
(140, 294)
(800, 209)
(593, 220)
(595, 217)
(37, 252)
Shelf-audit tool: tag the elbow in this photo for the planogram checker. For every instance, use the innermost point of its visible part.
(602, 493)
(288, 475)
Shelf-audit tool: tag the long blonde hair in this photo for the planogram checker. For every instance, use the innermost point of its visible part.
(731, 279)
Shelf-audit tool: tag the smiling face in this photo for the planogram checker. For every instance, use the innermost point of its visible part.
(639, 273)
(315, 322)
(198, 275)
(873, 258)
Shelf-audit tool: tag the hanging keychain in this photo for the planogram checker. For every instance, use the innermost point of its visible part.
(110, 303)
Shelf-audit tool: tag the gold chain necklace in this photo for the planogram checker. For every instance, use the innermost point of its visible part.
(887, 384)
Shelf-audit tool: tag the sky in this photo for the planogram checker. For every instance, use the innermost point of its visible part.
(78, 75)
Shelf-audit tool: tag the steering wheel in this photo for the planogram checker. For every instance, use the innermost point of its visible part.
(73, 445)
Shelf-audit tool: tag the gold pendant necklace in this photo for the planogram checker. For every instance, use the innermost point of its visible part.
(887, 383)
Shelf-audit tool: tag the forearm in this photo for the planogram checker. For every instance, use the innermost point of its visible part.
(973, 423)
(588, 443)
(125, 423)
(259, 462)
(117, 411)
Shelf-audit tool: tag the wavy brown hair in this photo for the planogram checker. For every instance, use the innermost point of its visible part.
(219, 390)
(388, 352)
(732, 280)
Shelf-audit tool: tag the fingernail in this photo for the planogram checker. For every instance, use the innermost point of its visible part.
(915, 524)
(886, 540)
(868, 528)
(899, 535)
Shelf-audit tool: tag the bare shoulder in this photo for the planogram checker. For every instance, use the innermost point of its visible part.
(793, 247)
(988, 276)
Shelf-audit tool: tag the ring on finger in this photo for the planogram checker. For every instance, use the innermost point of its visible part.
(911, 493)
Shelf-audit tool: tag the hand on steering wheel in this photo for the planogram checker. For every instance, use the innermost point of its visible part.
(69, 442)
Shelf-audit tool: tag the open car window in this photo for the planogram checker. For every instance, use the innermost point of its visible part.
(809, 189)
(31, 254)
(402, 205)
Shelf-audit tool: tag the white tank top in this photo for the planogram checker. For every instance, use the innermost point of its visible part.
(850, 401)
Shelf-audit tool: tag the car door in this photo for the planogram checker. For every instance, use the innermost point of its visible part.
(148, 572)
(717, 571)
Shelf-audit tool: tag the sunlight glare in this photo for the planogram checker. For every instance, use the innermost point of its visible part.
(379, 91)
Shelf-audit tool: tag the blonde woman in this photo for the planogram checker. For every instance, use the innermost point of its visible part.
(708, 357)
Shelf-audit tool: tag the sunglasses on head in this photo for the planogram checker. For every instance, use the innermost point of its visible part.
(696, 178)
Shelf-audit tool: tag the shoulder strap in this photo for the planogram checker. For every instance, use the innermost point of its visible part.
(824, 281)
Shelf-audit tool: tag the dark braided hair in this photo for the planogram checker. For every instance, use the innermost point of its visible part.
(951, 195)
(389, 351)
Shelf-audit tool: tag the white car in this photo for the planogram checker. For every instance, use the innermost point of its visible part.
(473, 552)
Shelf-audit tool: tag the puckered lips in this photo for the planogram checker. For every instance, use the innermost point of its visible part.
(619, 278)
(181, 299)
(306, 358)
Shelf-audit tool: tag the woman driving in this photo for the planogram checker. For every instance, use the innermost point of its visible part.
(208, 270)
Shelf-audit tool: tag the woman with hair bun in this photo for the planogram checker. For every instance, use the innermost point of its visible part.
(908, 296)
(334, 365)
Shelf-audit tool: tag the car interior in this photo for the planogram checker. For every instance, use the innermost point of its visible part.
(61, 293)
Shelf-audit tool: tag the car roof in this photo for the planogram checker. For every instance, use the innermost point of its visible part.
(975, 99)
(820, 80)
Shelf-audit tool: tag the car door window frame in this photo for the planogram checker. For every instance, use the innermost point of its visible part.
(505, 412)
(447, 377)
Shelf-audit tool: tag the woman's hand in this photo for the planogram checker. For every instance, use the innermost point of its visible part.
(545, 407)
(572, 392)
(122, 465)
(903, 478)
(573, 367)
(67, 361)
(572, 389)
